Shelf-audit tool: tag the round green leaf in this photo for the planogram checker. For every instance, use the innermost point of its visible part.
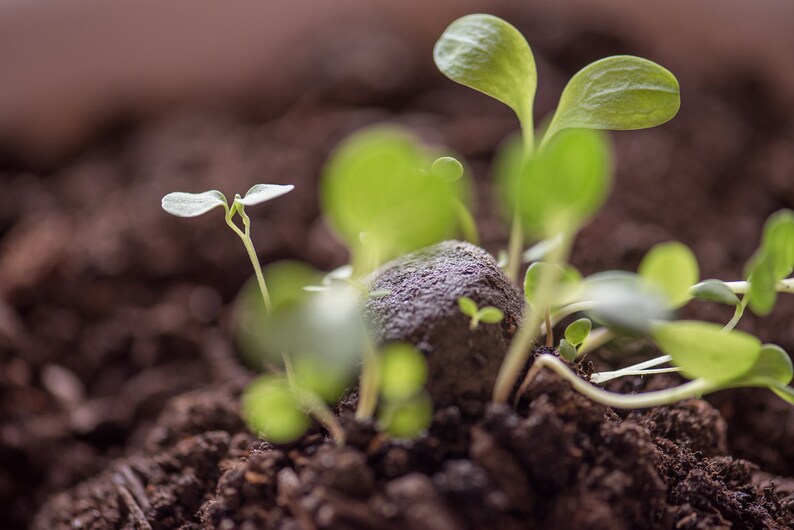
(270, 409)
(407, 419)
(772, 262)
(447, 168)
(380, 197)
(487, 54)
(263, 192)
(567, 351)
(714, 291)
(772, 368)
(467, 306)
(617, 93)
(403, 371)
(704, 350)
(564, 184)
(490, 315)
(183, 204)
(672, 268)
(578, 331)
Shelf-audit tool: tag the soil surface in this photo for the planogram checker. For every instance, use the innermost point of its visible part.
(119, 383)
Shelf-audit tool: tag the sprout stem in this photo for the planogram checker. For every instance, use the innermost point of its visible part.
(688, 390)
(369, 383)
(514, 249)
(249, 247)
(314, 405)
(783, 286)
(737, 314)
(520, 347)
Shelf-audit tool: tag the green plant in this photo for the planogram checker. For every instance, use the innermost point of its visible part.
(552, 187)
(487, 314)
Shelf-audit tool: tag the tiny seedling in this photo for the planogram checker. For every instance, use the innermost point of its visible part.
(487, 314)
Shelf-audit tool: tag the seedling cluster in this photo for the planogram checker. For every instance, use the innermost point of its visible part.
(385, 194)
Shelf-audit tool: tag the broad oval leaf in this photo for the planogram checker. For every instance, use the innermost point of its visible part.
(271, 409)
(377, 183)
(772, 368)
(260, 193)
(563, 185)
(567, 351)
(403, 371)
(407, 418)
(182, 204)
(622, 92)
(672, 268)
(714, 291)
(772, 262)
(487, 54)
(578, 330)
(624, 303)
(467, 306)
(490, 315)
(704, 350)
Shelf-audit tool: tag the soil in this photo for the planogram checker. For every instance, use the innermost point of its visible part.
(119, 383)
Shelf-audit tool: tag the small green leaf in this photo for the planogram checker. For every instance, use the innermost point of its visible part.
(566, 279)
(772, 262)
(542, 248)
(772, 368)
(567, 351)
(467, 306)
(408, 418)
(617, 93)
(183, 204)
(564, 184)
(447, 168)
(714, 291)
(270, 408)
(260, 193)
(704, 350)
(403, 371)
(578, 331)
(490, 315)
(487, 54)
(672, 268)
(624, 303)
(381, 199)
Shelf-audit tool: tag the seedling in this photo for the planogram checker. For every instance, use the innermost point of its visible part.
(552, 187)
(487, 314)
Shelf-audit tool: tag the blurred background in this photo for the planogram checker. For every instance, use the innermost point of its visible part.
(109, 307)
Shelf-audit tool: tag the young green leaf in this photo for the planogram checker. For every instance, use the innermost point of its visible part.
(467, 306)
(567, 278)
(704, 350)
(772, 262)
(577, 331)
(714, 291)
(617, 93)
(564, 184)
(408, 418)
(377, 183)
(490, 315)
(773, 368)
(672, 268)
(447, 168)
(183, 204)
(567, 351)
(487, 54)
(542, 248)
(624, 303)
(260, 193)
(271, 409)
(403, 371)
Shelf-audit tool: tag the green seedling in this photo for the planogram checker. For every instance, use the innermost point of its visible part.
(487, 314)
(405, 406)
(553, 186)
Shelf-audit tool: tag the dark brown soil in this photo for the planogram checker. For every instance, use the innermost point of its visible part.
(119, 383)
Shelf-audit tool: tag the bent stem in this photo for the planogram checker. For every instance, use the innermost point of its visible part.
(245, 236)
(602, 377)
(519, 350)
(656, 398)
(314, 405)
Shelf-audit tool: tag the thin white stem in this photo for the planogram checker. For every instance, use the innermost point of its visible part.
(783, 286)
(369, 382)
(737, 314)
(688, 390)
(603, 377)
(249, 247)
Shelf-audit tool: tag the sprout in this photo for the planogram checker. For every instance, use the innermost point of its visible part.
(486, 315)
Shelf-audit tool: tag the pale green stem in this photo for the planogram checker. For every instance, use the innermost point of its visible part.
(314, 405)
(368, 383)
(249, 247)
(521, 345)
(692, 389)
(737, 314)
(783, 286)
(514, 249)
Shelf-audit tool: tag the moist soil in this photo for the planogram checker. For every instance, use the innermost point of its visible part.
(119, 383)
